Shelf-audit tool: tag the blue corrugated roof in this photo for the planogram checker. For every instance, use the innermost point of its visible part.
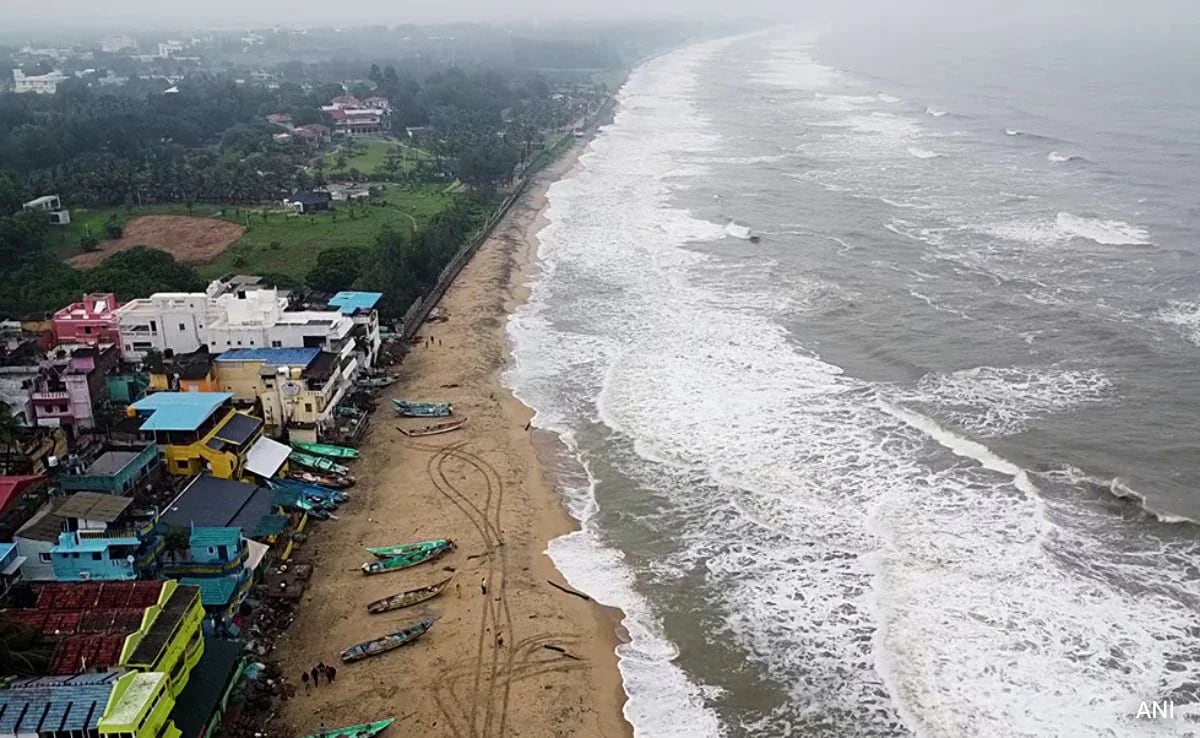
(214, 591)
(33, 710)
(299, 357)
(352, 302)
(178, 410)
(216, 537)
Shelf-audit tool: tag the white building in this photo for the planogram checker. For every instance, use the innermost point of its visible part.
(40, 84)
(167, 49)
(113, 44)
(230, 316)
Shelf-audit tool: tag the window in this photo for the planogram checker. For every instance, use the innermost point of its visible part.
(153, 326)
(44, 558)
(95, 555)
(228, 343)
(87, 329)
(276, 344)
(251, 341)
(181, 464)
(239, 342)
(308, 407)
(182, 327)
(62, 408)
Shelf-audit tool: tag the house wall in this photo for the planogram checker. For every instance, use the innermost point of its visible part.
(241, 378)
(37, 566)
(80, 393)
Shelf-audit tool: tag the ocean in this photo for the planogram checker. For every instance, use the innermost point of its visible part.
(921, 460)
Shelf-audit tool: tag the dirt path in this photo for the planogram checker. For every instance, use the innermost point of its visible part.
(189, 239)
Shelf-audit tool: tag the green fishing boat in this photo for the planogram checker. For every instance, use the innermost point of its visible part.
(318, 463)
(323, 449)
(405, 560)
(385, 552)
(366, 730)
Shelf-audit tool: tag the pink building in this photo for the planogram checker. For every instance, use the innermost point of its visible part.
(89, 322)
(69, 384)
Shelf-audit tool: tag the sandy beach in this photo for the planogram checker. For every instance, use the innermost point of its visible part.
(524, 659)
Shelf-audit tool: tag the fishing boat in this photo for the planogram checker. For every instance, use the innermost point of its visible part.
(386, 643)
(325, 480)
(405, 560)
(385, 552)
(366, 730)
(326, 450)
(433, 429)
(376, 382)
(422, 409)
(409, 598)
(318, 463)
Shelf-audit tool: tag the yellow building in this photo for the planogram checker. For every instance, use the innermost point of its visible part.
(170, 639)
(192, 372)
(201, 431)
(139, 707)
(296, 388)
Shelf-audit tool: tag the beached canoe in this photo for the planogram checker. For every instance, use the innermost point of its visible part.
(366, 730)
(375, 382)
(326, 450)
(385, 552)
(422, 409)
(318, 463)
(331, 481)
(405, 560)
(386, 643)
(409, 598)
(433, 429)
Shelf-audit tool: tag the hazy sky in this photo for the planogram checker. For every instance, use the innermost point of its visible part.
(102, 15)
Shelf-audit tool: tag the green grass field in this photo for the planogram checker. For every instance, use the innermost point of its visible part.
(370, 157)
(280, 242)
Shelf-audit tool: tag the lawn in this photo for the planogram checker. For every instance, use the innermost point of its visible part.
(369, 157)
(289, 243)
(277, 241)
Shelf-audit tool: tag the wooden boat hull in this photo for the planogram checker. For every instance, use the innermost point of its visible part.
(385, 552)
(422, 409)
(409, 598)
(434, 429)
(329, 451)
(366, 730)
(325, 480)
(318, 463)
(386, 643)
(405, 561)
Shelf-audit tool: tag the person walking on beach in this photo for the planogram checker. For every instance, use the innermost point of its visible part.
(315, 674)
(304, 678)
(323, 670)
(330, 673)
(483, 587)
(458, 590)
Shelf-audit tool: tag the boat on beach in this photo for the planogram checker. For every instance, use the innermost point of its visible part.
(375, 382)
(406, 409)
(325, 480)
(433, 429)
(327, 450)
(406, 560)
(366, 730)
(385, 552)
(386, 643)
(318, 463)
(409, 598)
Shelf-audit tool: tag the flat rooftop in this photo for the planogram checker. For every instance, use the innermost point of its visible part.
(178, 411)
(111, 463)
(164, 625)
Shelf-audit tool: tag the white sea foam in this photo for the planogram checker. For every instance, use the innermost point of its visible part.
(920, 153)
(889, 574)
(734, 229)
(1001, 401)
(1184, 316)
(1058, 158)
(1013, 132)
(890, 99)
(936, 113)
(1106, 232)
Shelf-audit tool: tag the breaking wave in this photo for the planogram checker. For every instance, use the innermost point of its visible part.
(1106, 232)
(922, 153)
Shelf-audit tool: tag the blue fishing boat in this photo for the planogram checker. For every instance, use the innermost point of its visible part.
(407, 409)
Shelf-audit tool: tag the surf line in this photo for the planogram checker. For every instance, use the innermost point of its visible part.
(968, 449)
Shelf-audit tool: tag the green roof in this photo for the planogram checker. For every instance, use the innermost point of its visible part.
(214, 591)
(216, 537)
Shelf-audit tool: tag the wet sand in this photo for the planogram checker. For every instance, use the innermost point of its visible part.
(484, 670)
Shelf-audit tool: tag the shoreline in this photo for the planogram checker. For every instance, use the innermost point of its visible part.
(508, 654)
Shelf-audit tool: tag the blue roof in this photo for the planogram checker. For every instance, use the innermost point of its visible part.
(352, 302)
(278, 356)
(216, 537)
(180, 411)
(6, 549)
(214, 591)
(51, 709)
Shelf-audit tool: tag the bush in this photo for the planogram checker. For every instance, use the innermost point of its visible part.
(89, 243)
(114, 230)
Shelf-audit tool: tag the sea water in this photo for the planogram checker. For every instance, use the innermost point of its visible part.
(922, 460)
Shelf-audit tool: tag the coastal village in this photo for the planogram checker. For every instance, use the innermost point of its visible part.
(216, 504)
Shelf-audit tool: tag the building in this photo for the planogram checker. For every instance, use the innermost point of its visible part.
(313, 133)
(51, 205)
(11, 561)
(20, 498)
(352, 117)
(360, 306)
(88, 322)
(113, 44)
(189, 372)
(40, 84)
(297, 388)
(63, 707)
(105, 539)
(70, 383)
(308, 202)
(201, 431)
(118, 470)
(228, 315)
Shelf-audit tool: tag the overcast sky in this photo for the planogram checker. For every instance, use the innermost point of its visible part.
(106, 14)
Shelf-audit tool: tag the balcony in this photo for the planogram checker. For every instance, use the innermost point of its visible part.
(62, 396)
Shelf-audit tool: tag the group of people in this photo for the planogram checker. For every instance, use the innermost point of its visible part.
(313, 677)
